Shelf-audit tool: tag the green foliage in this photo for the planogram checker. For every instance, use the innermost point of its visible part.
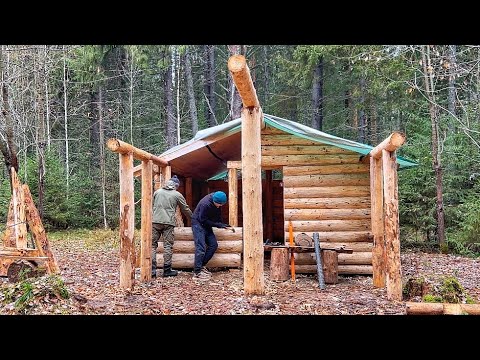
(432, 298)
(451, 290)
(63, 208)
(25, 293)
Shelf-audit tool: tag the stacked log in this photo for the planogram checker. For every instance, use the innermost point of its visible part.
(326, 190)
(228, 254)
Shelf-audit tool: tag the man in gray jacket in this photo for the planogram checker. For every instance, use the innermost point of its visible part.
(165, 201)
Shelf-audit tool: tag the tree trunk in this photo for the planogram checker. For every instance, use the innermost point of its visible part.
(101, 144)
(65, 119)
(429, 88)
(7, 144)
(362, 114)
(452, 91)
(190, 92)
(170, 111)
(233, 95)
(317, 96)
(47, 102)
(209, 84)
(39, 100)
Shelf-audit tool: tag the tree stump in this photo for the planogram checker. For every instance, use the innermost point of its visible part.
(20, 270)
(330, 266)
(279, 264)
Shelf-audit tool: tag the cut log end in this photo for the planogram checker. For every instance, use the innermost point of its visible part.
(113, 144)
(236, 63)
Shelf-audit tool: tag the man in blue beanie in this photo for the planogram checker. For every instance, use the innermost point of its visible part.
(207, 214)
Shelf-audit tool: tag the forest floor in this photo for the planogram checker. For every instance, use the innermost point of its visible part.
(90, 272)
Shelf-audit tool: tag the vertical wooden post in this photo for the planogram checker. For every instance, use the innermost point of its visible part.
(189, 196)
(392, 228)
(127, 222)
(156, 178)
(232, 197)
(376, 196)
(166, 174)
(146, 219)
(268, 205)
(252, 201)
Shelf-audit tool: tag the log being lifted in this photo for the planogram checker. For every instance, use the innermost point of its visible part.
(414, 308)
(121, 147)
(391, 143)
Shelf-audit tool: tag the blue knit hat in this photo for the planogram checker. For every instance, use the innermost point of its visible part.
(219, 197)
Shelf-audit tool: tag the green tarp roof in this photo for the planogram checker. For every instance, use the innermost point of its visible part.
(201, 139)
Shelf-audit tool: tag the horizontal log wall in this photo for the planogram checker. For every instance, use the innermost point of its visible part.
(326, 190)
(228, 254)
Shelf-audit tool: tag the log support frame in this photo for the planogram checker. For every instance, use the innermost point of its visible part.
(385, 216)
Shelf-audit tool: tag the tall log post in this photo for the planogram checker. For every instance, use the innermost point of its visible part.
(232, 197)
(146, 216)
(392, 228)
(254, 282)
(252, 122)
(376, 195)
(19, 224)
(127, 222)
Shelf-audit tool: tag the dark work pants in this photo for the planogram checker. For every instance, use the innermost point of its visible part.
(205, 245)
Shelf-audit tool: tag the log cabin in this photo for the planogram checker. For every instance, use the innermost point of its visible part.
(277, 173)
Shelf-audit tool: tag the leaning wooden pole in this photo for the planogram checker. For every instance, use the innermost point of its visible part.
(127, 222)
(376, 196)
(252, 118)
(392, 227)
(146, 216)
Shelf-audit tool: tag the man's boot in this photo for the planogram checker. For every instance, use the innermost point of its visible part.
(167, 271)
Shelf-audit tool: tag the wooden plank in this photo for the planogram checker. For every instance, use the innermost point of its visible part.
(127, 222)
(146, 222)
(252, 202)
(9, 235)
(286, 140)
(392, 228)
(376, 186)
(19, 222)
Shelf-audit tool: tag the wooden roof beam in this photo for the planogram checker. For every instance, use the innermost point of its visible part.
(237, 64)
(391, 143)
(121, 147)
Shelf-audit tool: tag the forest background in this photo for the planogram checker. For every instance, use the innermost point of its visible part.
(60, 103)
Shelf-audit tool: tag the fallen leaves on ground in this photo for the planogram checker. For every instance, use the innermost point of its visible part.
(90, 271)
